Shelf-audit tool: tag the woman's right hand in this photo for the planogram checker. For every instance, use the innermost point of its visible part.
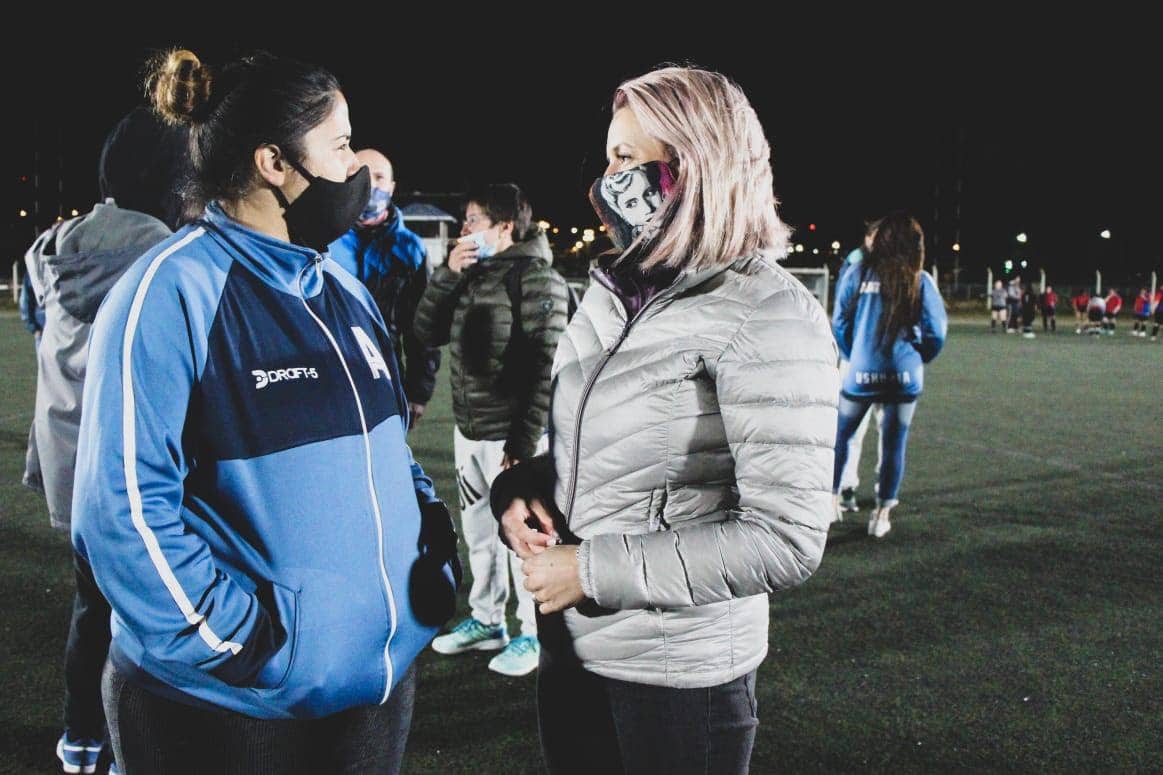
(523, 539)
(463, 255)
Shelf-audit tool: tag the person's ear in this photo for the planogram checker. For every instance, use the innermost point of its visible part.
(505, 227)
(271, 165)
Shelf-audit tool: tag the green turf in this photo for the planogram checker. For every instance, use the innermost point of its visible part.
(1009, 622)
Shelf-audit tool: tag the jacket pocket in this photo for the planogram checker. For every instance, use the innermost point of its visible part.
(657, 508)
(277, 669)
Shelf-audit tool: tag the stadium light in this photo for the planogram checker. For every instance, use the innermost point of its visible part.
(1105, 234)
(1023, 238)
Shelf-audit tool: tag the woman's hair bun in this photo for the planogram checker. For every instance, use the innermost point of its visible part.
(178, 84)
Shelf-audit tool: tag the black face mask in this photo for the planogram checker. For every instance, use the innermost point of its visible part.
(325, 209)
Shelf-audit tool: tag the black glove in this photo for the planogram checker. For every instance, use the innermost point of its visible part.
(432, 595)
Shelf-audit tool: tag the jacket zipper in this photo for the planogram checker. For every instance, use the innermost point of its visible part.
(317, 263)
(606, 356)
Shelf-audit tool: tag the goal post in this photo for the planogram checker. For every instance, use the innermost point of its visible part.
(815, 279)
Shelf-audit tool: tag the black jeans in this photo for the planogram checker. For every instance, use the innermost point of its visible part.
(153, 735)
(85, 653)
(591, 724)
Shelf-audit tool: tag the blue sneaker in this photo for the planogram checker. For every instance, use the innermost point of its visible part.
(519, 658)
(472, 635)
(78, 754)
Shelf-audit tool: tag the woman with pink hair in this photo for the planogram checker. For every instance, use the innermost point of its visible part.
(692, 425)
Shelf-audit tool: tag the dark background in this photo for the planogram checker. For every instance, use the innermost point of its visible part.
(983, 127)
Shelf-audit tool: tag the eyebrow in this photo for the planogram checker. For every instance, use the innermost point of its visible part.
(343, 136)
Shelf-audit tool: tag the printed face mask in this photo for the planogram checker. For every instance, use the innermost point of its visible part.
(376, 207)
(325, 209)
(627, 200)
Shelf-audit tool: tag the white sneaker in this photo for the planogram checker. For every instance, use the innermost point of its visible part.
(878, 523)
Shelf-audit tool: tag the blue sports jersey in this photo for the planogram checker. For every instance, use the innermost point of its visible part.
(244, 492)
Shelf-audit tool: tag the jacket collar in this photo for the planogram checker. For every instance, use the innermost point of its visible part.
(282, 265)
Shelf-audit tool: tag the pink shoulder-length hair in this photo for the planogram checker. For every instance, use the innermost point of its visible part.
(723, 205)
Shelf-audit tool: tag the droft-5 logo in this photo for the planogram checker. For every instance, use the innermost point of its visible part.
(263, 378)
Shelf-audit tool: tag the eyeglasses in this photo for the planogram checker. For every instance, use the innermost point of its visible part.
(476, 218)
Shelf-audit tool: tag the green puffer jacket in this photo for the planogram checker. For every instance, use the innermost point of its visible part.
(471, 312)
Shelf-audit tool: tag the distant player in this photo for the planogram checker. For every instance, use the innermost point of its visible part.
(1095, 315)
(1080, 302)
(1142, 313)
(1114, 304)
(1049, 303)
(997, 306)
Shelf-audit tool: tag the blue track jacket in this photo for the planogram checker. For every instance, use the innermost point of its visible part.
(243, 491)
(895, 374)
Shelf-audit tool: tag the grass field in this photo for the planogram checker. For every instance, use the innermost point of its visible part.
(1011, 621)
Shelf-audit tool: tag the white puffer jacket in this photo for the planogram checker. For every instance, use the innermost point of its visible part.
(693, 449)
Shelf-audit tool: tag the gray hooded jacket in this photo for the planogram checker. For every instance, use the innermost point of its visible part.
(72, 266)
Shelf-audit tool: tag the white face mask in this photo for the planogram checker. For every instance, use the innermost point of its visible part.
(484, 249)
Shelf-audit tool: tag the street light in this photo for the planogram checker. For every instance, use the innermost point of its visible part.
(1105, 234)
(1022, 238)
(956, 247)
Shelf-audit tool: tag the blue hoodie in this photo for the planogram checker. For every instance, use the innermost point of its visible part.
(243, 490)
(894, 374)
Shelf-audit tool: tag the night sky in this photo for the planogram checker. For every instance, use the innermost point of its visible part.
(1044, 126)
